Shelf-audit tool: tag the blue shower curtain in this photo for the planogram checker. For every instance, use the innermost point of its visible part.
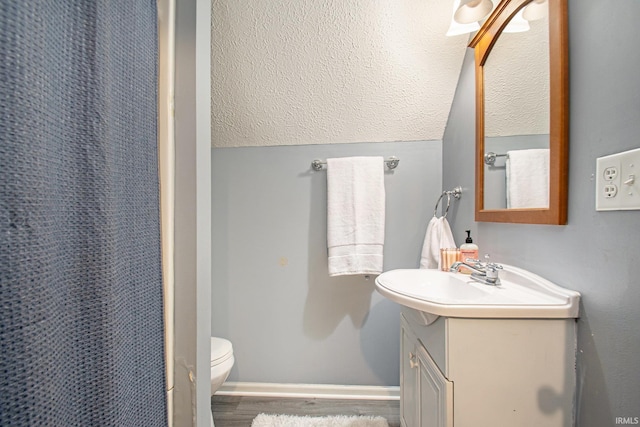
(81, 326)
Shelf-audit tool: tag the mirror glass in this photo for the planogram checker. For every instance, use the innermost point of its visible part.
(516, 82)
(522, 114)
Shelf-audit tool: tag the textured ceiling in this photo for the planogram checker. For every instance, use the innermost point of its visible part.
(288, 72)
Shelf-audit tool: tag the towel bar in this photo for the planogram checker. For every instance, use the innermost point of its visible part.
(391, 162)
(490, 158)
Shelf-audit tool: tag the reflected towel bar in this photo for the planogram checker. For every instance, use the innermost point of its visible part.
(490, 158)
(391, 162)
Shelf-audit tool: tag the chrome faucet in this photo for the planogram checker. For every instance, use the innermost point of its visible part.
(483, 272)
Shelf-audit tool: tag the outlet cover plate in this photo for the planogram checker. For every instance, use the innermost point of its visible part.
(618, 181)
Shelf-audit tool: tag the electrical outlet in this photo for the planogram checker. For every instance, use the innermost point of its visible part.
(618, 181)
(610, 173)
(610, 191)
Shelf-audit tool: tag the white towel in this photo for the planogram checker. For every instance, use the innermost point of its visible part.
(438, 237)
(355, 215)
(528, 178)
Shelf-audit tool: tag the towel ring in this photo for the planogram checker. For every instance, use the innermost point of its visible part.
(448, 194)
(456, 192)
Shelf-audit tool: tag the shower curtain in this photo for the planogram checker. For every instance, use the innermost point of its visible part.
(81, 330)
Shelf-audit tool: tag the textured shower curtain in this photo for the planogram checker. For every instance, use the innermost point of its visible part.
(81, 331)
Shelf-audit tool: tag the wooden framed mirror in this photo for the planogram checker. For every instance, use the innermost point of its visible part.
(537, 96)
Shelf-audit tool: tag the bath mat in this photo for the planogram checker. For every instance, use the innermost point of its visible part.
(265, 420)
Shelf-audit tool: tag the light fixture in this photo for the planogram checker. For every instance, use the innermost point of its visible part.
(535, 10)
(456, 28)
(470, 11)
(517, 24)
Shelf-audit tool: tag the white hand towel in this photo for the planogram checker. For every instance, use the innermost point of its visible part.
(438, 237)
(355, 215)
(528, 178)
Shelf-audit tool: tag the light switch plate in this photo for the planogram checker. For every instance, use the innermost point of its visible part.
(618, 181)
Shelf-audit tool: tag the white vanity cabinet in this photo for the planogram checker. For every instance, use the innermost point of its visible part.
(485, 372)
(426, 395)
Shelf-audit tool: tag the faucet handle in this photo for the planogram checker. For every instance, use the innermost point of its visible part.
(491, 265)
(491, 268)
(477, 262)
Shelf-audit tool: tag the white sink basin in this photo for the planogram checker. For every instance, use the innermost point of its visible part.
(521, 294)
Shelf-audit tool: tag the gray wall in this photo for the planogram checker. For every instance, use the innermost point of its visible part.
(289, 322)
(596, 253)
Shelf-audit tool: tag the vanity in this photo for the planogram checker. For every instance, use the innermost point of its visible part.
(474, 355)
(500, 353)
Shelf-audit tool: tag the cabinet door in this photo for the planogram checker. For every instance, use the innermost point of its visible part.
(408, 378)
(435, 393)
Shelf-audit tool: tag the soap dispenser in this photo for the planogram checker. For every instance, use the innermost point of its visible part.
(469, 249)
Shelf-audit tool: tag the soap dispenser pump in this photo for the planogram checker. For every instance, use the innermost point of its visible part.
(469, 249)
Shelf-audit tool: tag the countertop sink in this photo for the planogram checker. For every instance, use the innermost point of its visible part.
(521, 294)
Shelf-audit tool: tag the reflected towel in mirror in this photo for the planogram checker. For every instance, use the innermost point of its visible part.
(528, 178)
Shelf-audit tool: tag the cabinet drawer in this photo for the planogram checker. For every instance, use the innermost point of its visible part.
(432, 336)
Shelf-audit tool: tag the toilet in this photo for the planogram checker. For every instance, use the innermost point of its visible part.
(221, 363)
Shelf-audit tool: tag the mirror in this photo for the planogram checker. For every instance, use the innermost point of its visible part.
(522, 111)
(516, 117)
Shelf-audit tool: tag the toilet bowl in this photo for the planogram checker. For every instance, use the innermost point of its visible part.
(221, 362)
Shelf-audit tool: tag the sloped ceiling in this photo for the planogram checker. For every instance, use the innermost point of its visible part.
(288, 72)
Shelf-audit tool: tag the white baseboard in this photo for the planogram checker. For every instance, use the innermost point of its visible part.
(320, 391)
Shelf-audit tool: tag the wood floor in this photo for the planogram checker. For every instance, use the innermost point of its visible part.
(239, 411)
